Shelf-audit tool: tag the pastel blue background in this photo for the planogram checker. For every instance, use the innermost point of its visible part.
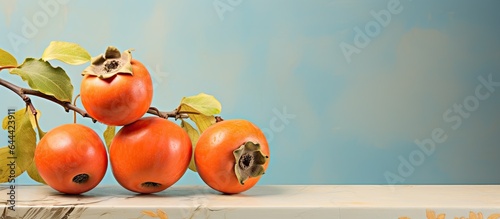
(349, 122)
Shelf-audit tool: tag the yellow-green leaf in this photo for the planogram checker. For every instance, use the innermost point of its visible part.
(194, 136)
(32, 118)
(41, 76)
(202, 103)
(33, 173)
(202, 121)
(36, 124)
(70, 53)
(7, 59)
(200, 109)
(7, 174)
(109, 134)
(9, 120)
(41, 133)
(24, 138)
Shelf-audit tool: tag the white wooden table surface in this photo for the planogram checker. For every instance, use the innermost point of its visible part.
(293, 201)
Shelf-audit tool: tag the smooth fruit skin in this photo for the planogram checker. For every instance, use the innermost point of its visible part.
(118, 100)
(151, 149)
(69, 150)
(214, 154)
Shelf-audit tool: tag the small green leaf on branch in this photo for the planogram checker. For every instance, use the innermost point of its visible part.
(32, 118)
(194, 136)
(6, 160)
(70, 53)
(24, 138)
(109, 134)
(33, 173)
(6, 59)
(201, 103)
(36, 124)
(202, 121)
(201, 110)
(41, 76)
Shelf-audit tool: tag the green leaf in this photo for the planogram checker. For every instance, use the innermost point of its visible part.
(41, 76)
(200, 109)
(7, 59)
(201, 103)
(109, 134)
(194, 136)
(202, 121)
(70, 53)
(36, 125)
(5, 170)
(24, 138)
(33, 173)
(41, 133)
(33, 120)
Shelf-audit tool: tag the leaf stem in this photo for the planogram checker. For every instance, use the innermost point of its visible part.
(7, 67)
(74, 112)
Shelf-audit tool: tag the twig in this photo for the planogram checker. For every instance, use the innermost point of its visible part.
(172, 114)
(24, 92)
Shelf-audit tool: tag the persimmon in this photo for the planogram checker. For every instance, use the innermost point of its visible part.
(150, 155)
(71, 158)
(116, 89)
(231, 156)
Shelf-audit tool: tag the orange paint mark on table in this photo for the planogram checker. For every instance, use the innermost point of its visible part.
(430, 214)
